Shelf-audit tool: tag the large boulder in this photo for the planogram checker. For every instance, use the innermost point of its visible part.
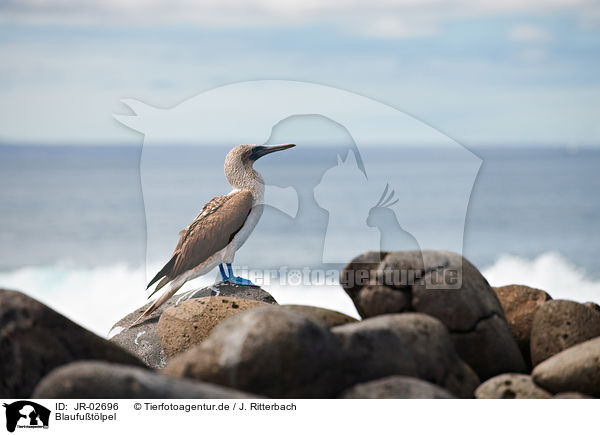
(410, 344)
(101, 380)
(360, 273)
(35, 339)
(560, 324)
(443, 285)
(574, 369)
(270, 351)
(329, 318)
(143, 339)
(520, 303)
(375, 299)
(511, 386)
(396, 387)
(189, 323)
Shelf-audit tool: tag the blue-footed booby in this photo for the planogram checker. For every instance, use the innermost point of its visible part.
(221, 228)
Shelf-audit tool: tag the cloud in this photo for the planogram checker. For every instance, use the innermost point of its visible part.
(533, 55)
(466, 76)
(382, 18)
(526, 33)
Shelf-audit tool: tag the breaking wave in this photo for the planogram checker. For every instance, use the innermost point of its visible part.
(549, 271)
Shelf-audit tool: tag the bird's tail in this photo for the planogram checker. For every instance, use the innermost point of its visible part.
(158, 302)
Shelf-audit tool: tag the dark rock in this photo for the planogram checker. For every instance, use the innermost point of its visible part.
(189, 323)
(409, 344)
(560, 324)
(446, 286)
(396, 387)
(100, 380)
(359, 273)
(520, 304)
(34, 339)
(143, 339)
(510, 386)
(270, 350)
(471, 311)
(380, 299)
(574, 369)
(330, 318)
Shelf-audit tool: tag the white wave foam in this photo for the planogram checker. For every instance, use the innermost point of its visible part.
(94, 298)
(549, 271)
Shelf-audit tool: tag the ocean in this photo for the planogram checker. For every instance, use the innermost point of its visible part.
(79, 224)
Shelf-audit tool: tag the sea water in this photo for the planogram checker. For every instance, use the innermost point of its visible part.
(74, 220)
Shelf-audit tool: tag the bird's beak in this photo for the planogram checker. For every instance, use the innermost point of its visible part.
(262, 150)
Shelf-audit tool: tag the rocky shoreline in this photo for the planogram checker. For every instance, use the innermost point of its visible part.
(423, 333)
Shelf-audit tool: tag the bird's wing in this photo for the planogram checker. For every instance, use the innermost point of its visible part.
(212, 230)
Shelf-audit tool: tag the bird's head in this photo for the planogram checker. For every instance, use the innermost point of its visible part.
(239, 161)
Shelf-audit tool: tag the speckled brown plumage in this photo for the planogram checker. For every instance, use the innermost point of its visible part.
(214, 227)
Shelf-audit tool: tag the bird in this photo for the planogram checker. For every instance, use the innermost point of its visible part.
(220, 229)
(391, 234)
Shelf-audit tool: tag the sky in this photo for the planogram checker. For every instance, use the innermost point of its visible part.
(487, 72)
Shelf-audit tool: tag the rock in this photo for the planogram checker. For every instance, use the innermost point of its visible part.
(592, 305)
(396, 387)
(35, 339)
(100, 380)
(330, 318)
(380, 299)
(571, 395)
(520, 304)
(143, 339)
(574, 369)
(410, 344)
(359, 273)
(471, 311)
(270, 351)
(560, 324)
(189, 323)
(510, 386)
(443, 285)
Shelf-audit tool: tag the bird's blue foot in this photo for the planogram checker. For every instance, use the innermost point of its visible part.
(241, 281)
(232, 278)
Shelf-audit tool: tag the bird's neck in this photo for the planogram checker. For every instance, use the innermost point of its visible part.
(247, 178)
